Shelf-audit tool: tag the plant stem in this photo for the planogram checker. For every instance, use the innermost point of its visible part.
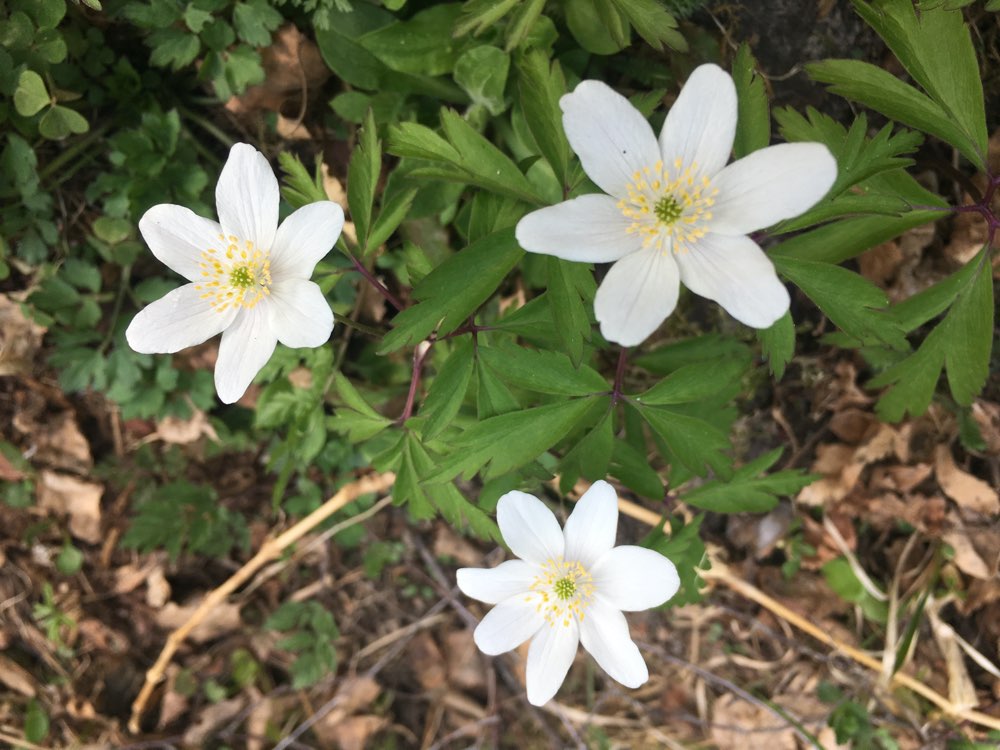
(419, 354)
(616, 390)
(379, 286)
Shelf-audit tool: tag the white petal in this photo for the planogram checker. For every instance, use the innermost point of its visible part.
(634, 578)
(549, 658)
(245, 348)
(246, 197)
(300, 314)
(604, 633)
(701, 125)
(591, 527)
(492, 585)
(508, 625)
(737, 274)
(304, 238)
(588, 229)
(611, 137)
(177, 320)
(774, 183)
(529, 528)
(178, 236)
(638, 294)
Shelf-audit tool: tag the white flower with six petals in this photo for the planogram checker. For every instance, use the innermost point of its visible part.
(569, 587)
(249, 277)
(674, 212)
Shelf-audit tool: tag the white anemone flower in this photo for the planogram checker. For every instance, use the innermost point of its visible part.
(674, 211)
(249, 277)
(569, 587)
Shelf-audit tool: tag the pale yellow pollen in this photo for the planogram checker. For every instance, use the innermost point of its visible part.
(238, 276)
(669, 206)
(562, 591)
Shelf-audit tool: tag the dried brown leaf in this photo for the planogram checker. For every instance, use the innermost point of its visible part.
(78, 499)
(968, 491)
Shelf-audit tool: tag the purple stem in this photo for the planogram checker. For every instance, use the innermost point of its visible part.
(379, 287)
(419, 354)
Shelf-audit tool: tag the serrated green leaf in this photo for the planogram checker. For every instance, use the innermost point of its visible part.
(970, 334)
(652, 22)
(696, 443)
(852, 302)
(31, 95)
(174, 48)
(777, 344)
(935, 46)
(448, 389)
(508, 441)
(450, 293)
(917, 309)
(529, 25)
(695, 382)
(492, 396)
(632, 468)
(592, 453)
(254, 21)
(572, 322)
(880, 90)
(362, 177)
(749, 490)
(710, 346)
(391, 215)
(753, 128)
(540, 85)
(685, 549)
(913, 379)
(542, 371)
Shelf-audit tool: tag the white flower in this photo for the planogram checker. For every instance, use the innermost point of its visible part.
(674, 212)
(570, 586)
(249, 277)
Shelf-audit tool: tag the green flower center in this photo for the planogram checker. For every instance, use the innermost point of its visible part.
(564, 588)
(667, 209)
(241, 277)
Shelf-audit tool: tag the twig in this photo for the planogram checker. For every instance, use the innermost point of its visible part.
(16, 741)
(270, 550)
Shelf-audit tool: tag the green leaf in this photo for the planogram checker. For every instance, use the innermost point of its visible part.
(540, 85)
(31, 95)
(685, 549)
(362, 177)
(970, 334)
(572, 322)
(529, 25)
(696, 382)
(710, 346)
(482, 74)
(753, 130)
(195, 18)
(492, 396)
(848, 299)
(633, 469)
(777, 344)
(936, 48)
(60, 122)
(542, 371)
(450, 293)
(913, 379)
(254, 21)
(479, 15)
(596, 34)
(509, 441)
(592, 453)
(880, 90)
(47, 13)
(300, 188)
(393, 211)
(421, 45)
(36, 722)
(917, 309)
(695, 443)
(448, 389)
(173, 47)
(653, 23)
(749, 490)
